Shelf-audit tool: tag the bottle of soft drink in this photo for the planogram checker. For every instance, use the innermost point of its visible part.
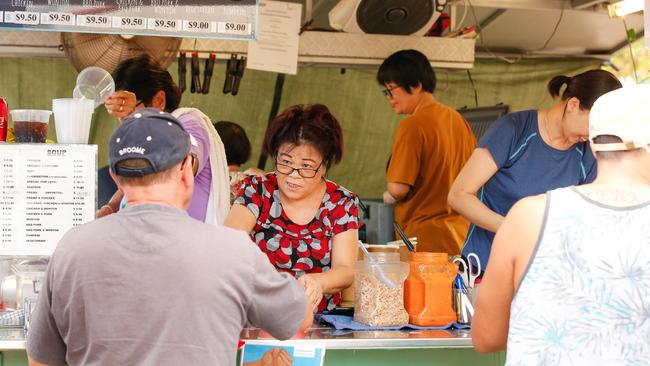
(4, 121)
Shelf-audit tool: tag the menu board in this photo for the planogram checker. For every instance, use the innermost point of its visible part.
(233, 19)
(46, 190)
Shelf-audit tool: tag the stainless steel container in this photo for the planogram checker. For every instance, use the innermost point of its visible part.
(379, 221)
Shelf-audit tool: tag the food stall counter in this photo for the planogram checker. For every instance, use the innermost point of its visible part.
(381, 347)
(343, 347)
(12, 339)
(333, 339)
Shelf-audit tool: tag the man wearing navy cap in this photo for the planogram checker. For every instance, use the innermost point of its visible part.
(150, 285)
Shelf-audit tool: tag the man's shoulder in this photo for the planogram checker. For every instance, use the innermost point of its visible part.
(529, 205)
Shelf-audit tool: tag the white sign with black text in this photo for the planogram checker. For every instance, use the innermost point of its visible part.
(276, 48)
(47, 189)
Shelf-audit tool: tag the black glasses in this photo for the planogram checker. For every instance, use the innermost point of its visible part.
(303, 172)
(388, 92)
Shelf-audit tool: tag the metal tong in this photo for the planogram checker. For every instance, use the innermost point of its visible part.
(405, 238)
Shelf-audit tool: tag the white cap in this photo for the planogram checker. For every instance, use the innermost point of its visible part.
(624, 113)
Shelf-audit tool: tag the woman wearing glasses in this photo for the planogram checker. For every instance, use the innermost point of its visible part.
(306, 224)
(141, 82)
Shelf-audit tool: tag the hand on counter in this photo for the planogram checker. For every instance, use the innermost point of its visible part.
(121, 104)
(313, 289)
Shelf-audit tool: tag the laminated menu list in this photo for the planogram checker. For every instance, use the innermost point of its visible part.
(46, 190)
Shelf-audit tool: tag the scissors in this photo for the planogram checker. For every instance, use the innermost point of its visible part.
(466, 271)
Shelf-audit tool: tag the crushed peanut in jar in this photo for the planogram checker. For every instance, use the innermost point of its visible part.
(376, 304)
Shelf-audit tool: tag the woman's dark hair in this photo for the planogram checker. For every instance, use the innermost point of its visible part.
(235, 141)
(312, 124)
(144, 76)
(407, 68)
(587, 87)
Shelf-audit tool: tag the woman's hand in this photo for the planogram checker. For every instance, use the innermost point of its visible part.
(313, 289)
(104, 211)
(121, 104)
(112, 206)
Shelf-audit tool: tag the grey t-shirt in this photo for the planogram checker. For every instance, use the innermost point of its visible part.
(152, 286)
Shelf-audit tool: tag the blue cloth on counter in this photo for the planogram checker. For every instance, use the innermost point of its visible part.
(12, 318)
(346, 322)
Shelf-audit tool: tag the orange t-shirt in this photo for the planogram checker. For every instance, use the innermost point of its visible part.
(431, 147)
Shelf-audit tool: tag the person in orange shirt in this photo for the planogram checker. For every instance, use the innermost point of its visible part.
(430, 148)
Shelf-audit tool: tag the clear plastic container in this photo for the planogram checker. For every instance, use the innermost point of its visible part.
(30, 125)
(428, 290)
(94, 83)
(377, 304)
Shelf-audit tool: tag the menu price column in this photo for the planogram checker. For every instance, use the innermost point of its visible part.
(7, 199)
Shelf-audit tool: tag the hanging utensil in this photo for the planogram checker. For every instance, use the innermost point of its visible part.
(196, 74)
(239, 74)
(405, 238)
(207, 73)
(182, 70)
(231, 69)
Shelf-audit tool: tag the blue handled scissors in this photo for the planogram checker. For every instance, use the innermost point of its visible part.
(466, 269)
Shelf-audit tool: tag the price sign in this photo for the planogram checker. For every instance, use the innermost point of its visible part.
(58, 19)
(96, 21)
(129, 23)
(235, 19)
(22, 17)
(199, 26)
(240, 29)
(164, 25)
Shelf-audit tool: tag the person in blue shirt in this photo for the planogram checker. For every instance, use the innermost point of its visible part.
(527, 153)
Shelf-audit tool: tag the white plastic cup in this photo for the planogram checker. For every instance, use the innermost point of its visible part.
(94, 83)
(72, 119)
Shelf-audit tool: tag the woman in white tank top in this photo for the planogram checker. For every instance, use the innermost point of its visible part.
(569, 277)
